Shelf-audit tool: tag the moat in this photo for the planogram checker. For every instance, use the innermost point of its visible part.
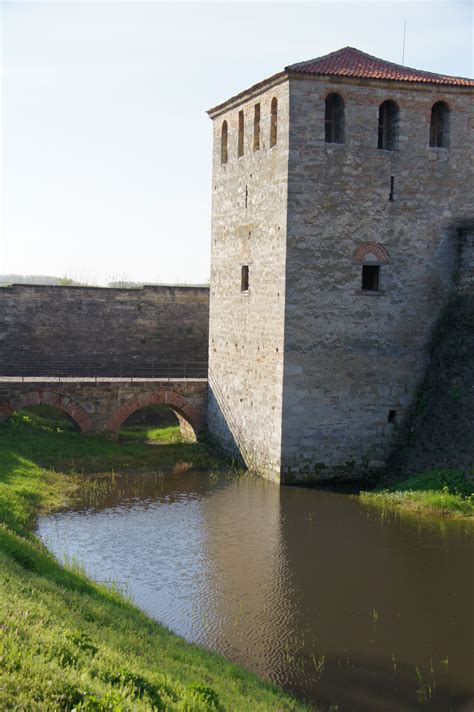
(308, 588)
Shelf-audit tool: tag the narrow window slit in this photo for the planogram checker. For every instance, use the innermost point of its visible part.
(244, 279)
(224, 155)
(273, 121)
(392, 416)
(256, 128)
(392, 188)
(240, 146)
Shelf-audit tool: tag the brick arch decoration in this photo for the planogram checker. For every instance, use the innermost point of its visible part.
(64, 403)
(442, 100)
(160, 396)
(330, 91)
(371, 248)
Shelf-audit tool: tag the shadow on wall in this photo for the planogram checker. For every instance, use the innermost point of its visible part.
(438, 432)
(223, 431)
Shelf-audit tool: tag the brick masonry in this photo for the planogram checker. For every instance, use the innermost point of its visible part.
(306, 367)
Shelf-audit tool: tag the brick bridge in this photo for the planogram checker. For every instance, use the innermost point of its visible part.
(101, 405)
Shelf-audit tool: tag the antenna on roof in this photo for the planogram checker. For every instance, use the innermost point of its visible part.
(404, 36)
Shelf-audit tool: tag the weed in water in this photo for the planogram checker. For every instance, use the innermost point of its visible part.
(319, 663)
(424, 690)
(373, 615)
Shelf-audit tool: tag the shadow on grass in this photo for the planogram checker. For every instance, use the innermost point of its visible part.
(75, 453)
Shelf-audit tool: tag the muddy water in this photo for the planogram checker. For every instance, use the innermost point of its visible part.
(305, 587)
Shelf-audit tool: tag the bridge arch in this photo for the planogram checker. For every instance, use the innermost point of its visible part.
(187, 414)
(57, 400)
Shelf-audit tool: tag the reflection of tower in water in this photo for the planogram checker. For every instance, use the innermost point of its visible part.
(249, 597)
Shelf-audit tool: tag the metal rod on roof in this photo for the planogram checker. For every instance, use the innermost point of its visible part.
(404, 37)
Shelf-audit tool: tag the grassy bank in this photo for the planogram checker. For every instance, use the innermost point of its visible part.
(67, 643)
(61, 448)
(442, 493)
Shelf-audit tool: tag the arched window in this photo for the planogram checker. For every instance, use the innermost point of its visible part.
(224, 142)
(334, 119)
(388, 126)
(273, 121)
(372, 256)
(439, 126)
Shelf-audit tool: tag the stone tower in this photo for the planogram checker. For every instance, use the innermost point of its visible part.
(339, 186)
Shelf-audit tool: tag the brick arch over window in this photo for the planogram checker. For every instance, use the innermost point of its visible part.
(162, 396)
(371, 248)
(64, 403)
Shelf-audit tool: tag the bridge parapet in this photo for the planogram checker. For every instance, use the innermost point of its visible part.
(128, 369)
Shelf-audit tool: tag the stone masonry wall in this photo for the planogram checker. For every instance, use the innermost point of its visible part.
(351, 357)
(84, 328)
(246, 328)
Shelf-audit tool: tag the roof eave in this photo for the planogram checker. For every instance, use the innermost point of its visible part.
(247, 94)
(407, 83)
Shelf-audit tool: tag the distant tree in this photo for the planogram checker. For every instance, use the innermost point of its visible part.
(27, 279)
(40, 279)
(66, 281)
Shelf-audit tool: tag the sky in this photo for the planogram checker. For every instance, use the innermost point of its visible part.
(105, 142)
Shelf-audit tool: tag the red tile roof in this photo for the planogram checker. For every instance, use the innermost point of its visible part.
(351, 62)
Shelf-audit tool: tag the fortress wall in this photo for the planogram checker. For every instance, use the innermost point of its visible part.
(102, 327)
(352, 357)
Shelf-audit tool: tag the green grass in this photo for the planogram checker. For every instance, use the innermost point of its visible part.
(66, 450)
(67, 643)
(153, 435)
(155, 425)
(441, 493)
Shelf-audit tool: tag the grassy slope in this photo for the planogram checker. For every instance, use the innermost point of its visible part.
(67, 643)
(445, 493)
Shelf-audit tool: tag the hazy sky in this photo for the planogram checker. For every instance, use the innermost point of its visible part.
(106, 146)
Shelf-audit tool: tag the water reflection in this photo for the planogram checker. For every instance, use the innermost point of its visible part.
(305, 587)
